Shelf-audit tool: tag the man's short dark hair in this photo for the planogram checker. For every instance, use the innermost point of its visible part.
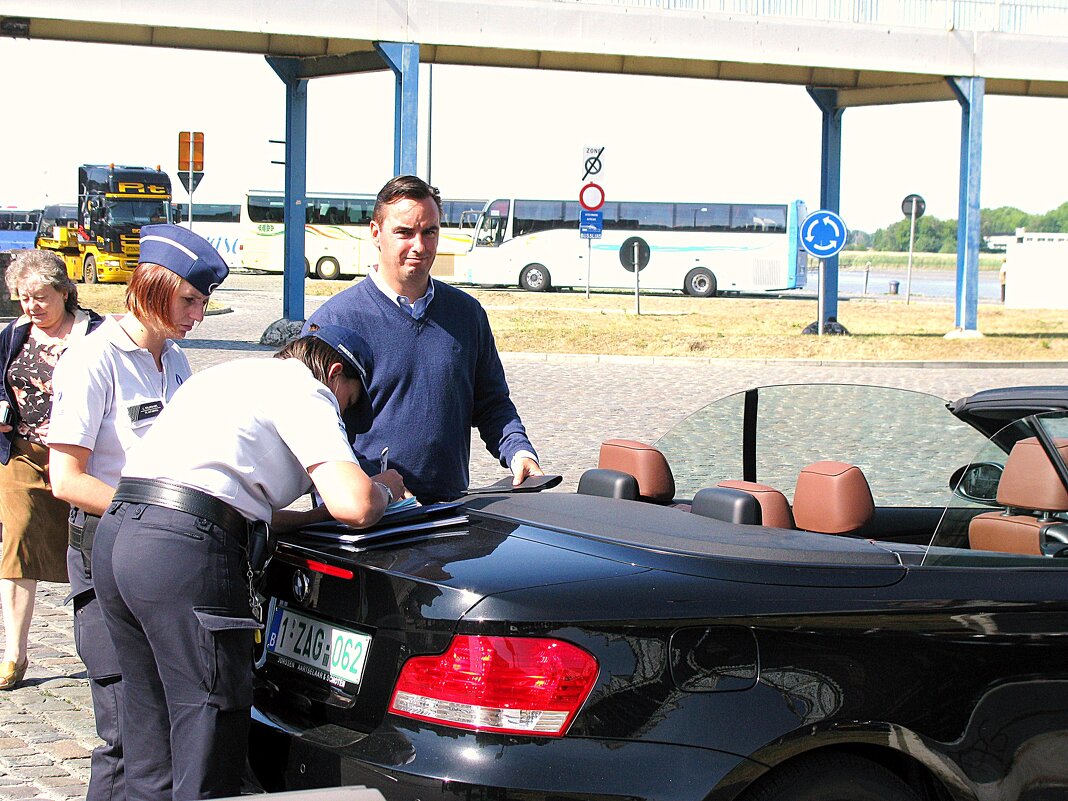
(409, 187)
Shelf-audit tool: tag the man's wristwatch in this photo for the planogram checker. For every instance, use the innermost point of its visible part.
(389, 492)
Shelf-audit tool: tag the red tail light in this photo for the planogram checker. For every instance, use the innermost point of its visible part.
(517, 685)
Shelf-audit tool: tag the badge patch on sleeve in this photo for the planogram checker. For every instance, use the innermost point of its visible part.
(145, 411)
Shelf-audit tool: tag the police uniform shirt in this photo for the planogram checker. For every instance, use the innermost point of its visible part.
(245, 432)
(108, 393)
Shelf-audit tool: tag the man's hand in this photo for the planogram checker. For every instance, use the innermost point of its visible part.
(523, 469)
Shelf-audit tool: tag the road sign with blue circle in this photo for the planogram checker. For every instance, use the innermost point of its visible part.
(823, 234)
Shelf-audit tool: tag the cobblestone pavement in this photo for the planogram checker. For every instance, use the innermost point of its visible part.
(569, 404)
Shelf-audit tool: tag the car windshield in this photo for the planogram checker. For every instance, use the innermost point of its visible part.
(907, 443)
(1010, 500)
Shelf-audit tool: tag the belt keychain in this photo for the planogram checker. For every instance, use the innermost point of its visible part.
(253, 600)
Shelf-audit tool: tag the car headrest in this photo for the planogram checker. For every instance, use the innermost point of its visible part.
(645, 463)
(1030, 481)
(729, 505)
(774, 508)
(608, 484)
(832, 498)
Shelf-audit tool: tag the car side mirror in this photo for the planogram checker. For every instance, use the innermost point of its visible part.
(977, 482)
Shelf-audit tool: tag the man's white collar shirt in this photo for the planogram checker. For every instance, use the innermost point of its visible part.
(417, 309)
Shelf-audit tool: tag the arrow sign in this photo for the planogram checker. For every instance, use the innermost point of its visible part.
(823, 234)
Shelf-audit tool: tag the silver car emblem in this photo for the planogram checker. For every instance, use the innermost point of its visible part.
(301, 585)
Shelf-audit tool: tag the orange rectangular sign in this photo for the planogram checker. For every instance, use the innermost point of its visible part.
(191, 151)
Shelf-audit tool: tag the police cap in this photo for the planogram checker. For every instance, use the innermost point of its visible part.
(185, 253)
(353, 349)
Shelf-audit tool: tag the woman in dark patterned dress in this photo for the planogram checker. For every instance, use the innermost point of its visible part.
(34, 522)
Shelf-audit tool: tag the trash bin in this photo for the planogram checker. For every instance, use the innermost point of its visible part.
(894, 286)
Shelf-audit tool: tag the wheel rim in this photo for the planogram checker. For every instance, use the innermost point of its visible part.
(700, 284)
(535, 278)
(328, 269)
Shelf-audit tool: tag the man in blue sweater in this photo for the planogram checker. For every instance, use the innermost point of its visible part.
(436, 368)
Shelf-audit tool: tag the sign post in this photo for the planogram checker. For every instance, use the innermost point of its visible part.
(591, 226)
(591, 198)
(823, 234)
(913, 207)
(190, 164)
(634, 256)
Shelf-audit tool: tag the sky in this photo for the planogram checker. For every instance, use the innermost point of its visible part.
(497, 132)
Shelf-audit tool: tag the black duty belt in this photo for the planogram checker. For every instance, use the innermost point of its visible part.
(172, 495)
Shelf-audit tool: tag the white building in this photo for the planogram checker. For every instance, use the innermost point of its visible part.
(1036, 271)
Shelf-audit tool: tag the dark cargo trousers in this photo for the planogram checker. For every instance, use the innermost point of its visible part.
(175, 597)
(93, 643)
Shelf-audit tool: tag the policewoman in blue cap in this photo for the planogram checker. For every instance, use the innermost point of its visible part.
(109, 388)
(240, 443)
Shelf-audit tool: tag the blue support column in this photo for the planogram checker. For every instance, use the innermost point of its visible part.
(830, 187)
(403, 59)
(296, 158)
(970, 93)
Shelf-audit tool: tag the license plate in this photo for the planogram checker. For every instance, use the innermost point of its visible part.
(316, 644)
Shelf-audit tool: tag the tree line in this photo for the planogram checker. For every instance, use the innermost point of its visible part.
(940, 236)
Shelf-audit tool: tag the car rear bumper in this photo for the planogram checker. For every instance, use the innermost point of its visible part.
(407, 761)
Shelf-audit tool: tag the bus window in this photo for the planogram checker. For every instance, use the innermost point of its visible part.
(762, 219)
(358, 210)
(266, 209)
(702, 217)
(532, 216)
(646, 216)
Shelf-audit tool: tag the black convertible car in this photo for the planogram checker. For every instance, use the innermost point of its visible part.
(801, 592)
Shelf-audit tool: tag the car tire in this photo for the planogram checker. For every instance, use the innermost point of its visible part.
(826, 777)
(89, 274)
(535, 278)
(328, 269)
(308, 273)
(700, 283)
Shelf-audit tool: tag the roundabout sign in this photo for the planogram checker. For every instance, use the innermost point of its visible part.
(823, 234)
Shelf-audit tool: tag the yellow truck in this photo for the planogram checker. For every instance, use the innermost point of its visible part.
(99, 239)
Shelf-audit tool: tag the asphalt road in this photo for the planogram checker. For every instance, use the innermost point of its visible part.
(569, 405)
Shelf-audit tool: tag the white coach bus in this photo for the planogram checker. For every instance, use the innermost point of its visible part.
(701, 249)
(337, 237)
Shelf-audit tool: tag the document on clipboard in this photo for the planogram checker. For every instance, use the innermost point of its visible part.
(413, 517)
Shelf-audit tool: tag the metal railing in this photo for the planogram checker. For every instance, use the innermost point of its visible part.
(1038, 17)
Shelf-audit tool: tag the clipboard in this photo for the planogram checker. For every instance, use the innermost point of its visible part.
(412, 518)
(339, 532)
(530, 484)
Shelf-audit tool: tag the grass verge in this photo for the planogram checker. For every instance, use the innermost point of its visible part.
(883, 329)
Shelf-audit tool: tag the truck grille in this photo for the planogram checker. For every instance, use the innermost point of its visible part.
(131, 246)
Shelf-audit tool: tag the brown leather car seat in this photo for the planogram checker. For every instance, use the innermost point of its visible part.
(832, 498)
(647, 464)
(774, 508)
(1030, 490)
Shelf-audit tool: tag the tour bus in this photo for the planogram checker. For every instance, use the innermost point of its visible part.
(18, 227)
(701, 249)
(219, 223)
(337, 239)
